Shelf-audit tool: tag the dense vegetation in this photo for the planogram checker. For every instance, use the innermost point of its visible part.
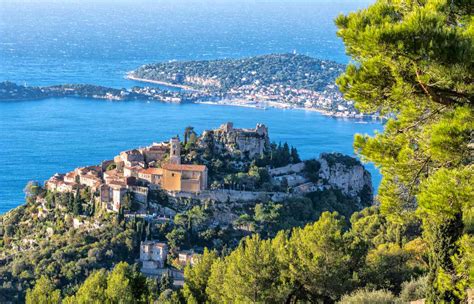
(123, 284)
(415, 59)
(317, 263)
(297, 71)
(320, 262)
(10, 91)
(50, 240)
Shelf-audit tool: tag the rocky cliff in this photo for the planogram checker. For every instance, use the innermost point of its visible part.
(345, 173)
(331, 171)
(237, 142)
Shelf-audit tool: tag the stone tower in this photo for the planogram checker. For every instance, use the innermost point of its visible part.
(175, 150)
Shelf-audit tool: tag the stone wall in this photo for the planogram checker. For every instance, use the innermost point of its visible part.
(231, 195)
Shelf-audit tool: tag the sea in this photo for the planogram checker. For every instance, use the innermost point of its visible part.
(47, 42)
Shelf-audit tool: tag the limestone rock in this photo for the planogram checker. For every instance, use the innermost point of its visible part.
(345, 173)
(237, 142)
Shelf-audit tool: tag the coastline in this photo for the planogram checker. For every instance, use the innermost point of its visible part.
(129, 76)
(263, 105)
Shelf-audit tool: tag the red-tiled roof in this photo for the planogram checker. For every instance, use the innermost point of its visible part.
(177, 167)
(157, 171)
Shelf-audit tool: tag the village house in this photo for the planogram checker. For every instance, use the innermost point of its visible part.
(153, 255)
(155, 152)
(131, 170)
(151, 175)
(70, 177)
(186, 257)
(53, 183)
(95, 170)
(118, 191)
(112, 175)
(185, 178)
(132, 157)
(90, 180)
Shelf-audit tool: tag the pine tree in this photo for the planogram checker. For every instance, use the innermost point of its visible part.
(414, 61)
(197, 277)
(43, 293)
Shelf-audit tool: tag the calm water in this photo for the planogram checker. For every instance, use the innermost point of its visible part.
(51, 42)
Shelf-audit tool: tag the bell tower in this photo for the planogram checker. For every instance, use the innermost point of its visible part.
(175, 150)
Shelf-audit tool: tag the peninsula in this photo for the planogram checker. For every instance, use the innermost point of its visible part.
(10, 91)
(291, 81)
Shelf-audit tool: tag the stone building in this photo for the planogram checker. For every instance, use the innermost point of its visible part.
(90, 180)
(70, 177)
(131, 171)
(54, 182)
(184, 178)
(175, 151)
(140, 194)
(155, 152)
(153, 255)
(151, 175)
(187, 257)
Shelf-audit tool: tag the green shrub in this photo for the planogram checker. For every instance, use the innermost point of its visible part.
(414, 289)
(364, 296)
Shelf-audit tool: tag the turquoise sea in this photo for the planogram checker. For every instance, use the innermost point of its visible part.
(53, 42)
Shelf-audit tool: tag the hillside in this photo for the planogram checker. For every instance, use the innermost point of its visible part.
(76, 223)
(297, 71)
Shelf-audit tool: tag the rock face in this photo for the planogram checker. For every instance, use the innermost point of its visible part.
(332, 171)
(345, 173)
(238, 142)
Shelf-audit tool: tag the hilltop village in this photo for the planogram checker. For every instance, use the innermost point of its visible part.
(159, 206)
(135, 172)
(135, 182)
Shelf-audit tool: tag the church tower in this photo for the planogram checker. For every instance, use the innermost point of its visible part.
(175, 150)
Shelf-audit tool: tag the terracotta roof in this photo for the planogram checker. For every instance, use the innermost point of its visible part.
(111, 172)
(117, 185)
(134, 167)
(133, 151)
(157, 171)
(176, 167)
(158, 147)
(154, 243)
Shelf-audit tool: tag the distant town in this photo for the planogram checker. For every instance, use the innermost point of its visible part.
(288, 81)
(291, 81)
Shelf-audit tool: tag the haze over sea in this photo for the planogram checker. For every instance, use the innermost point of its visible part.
(97, 42)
